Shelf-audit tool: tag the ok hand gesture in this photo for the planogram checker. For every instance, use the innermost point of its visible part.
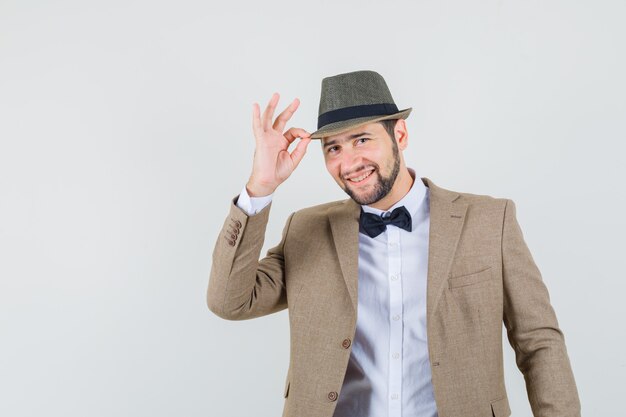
(273, 164)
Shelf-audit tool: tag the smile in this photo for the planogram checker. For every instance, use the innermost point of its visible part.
(362, 178)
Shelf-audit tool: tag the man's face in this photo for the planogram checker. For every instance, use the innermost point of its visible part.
(369, 151)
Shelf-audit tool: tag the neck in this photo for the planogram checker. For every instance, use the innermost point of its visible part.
(400, 188)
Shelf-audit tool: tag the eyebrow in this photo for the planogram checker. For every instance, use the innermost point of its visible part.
(354, 136)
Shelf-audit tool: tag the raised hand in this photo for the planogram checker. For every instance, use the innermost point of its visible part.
(273, 163)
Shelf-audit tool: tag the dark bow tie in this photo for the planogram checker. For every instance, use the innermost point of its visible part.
(373, 224)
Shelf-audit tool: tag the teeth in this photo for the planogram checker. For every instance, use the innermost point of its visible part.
(362, 177)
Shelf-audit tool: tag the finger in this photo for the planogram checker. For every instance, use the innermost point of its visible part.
(256, 121)
(269, 111)
(283, 118)
(296, 132)
(298, 153)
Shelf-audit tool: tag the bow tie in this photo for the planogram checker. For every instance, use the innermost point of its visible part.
(373, 224)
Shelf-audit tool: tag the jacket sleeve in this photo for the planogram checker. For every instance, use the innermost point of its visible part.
(532, 328)
(240, 285)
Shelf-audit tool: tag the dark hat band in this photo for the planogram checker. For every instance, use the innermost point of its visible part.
(353, 112)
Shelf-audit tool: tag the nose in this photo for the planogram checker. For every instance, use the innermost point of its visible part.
(351, 162)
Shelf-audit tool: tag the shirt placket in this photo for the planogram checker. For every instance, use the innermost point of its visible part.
(395, 322)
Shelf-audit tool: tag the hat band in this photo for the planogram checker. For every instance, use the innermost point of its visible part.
(353, 112)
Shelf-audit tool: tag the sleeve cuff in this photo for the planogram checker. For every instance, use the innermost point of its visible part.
(252, 205)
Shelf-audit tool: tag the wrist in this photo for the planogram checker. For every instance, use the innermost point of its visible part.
(255, 190)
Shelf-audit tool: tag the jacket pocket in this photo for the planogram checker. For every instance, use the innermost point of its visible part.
(500, 408)
(470, 279)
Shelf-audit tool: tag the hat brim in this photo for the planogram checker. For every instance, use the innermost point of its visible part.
(345, 125)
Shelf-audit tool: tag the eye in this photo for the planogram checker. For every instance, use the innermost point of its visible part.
(331, 149)
(362, 139)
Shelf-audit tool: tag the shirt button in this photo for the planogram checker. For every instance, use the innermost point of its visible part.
(332, 396)
(394, 277)
(393, 244)
(396, 317)
(396, 355)
(394, 396)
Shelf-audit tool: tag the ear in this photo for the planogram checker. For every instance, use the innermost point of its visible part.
(401, 134)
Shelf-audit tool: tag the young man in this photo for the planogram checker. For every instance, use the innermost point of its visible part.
(396, 295)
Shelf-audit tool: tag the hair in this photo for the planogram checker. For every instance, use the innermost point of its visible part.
(389, 125)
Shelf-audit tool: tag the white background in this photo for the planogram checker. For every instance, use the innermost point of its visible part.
(125, 130)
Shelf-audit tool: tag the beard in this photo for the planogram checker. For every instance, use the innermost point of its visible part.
(381, 187)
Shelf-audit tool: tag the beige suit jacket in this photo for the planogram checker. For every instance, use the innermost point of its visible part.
(480, 274)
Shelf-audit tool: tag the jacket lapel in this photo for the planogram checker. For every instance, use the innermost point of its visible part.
(447, 216)
(344, 224)
(446, 222)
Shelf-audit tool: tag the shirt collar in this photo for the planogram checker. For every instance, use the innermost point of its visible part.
(412, 200)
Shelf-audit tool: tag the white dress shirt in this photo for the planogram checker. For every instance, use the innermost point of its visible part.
(389, 369)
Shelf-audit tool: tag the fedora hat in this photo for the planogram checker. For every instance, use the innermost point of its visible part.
(353, 99)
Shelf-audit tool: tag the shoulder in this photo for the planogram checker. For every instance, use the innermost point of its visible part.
(482, 199)
(474, 200)
(319, 211)
(484, 211)
(314, 220)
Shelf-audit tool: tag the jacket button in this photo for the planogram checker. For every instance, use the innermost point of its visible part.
(332, 396)
(231, 242)
(346, 343)
(233, 237)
